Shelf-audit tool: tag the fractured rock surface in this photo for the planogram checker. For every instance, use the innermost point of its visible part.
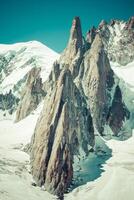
(31, 94)
(64, 127)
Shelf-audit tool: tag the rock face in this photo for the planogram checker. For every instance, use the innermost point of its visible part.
(97, 82)
(118, 108)
(81, 95)
(118, 38)
(31, 95)
(64, 127)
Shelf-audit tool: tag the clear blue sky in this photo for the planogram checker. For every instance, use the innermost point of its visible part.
(49, 21)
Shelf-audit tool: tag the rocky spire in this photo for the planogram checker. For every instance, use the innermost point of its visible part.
(31, 95)
(76, 34)
(102, 24)
(64, 127)
(75, 42)
(80, 85)
(112, 22)
(91, 35)
(130, 23)
(95, 81)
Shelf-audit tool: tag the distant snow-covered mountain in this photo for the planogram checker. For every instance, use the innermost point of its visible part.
(16, 61)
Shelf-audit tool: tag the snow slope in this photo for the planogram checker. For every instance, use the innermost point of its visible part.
(16, 60)
(117, 182)
(15, 179)
(126, 73)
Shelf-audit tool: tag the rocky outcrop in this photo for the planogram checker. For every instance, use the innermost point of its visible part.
(64, 127)
(8, 102)
(31, 95)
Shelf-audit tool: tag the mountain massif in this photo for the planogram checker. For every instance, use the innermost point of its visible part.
(82, 97)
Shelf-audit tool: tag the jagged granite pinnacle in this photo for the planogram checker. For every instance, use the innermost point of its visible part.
(76, 34)
(64, 127)
(75, 42)
(31, 95)
(91, 35)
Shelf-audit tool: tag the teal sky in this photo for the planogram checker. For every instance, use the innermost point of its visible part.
(49, 21)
